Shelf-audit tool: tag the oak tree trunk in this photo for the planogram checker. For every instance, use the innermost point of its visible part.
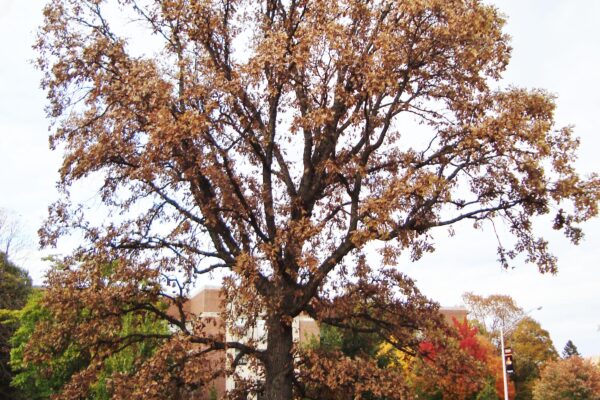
(279, 364)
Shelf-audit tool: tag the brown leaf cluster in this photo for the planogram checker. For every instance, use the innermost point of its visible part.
(332, 376)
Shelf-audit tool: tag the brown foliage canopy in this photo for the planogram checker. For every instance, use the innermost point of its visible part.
(270, 140)
(572, 378)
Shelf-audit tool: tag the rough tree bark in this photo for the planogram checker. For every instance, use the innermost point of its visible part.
(279, 365)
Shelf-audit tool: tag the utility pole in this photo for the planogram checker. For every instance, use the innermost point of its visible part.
(504, 377)
(502, 348)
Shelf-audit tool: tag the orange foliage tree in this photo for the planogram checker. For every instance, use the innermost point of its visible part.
(571, 378)
(269, 140)
(460, 368)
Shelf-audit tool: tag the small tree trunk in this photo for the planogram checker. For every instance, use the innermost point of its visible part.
(279, 367)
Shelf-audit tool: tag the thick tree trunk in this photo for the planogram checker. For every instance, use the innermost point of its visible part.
(279, 366)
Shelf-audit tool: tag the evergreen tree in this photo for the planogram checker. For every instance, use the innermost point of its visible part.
(570, 350)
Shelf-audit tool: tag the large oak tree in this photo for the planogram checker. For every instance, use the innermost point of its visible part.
(274, 140)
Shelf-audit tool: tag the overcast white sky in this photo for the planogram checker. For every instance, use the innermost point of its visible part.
(556, 46)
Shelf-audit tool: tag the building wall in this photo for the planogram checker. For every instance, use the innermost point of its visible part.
(453, 312)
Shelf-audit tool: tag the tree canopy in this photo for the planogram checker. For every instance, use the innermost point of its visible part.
(15, 286)
(39, 379)
(273, 141)
(493, 312)
(462, 365)
(531, 344)
(572, 378)
(472, 370)
(532, 349)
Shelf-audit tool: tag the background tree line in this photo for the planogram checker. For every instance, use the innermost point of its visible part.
(465, 364)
